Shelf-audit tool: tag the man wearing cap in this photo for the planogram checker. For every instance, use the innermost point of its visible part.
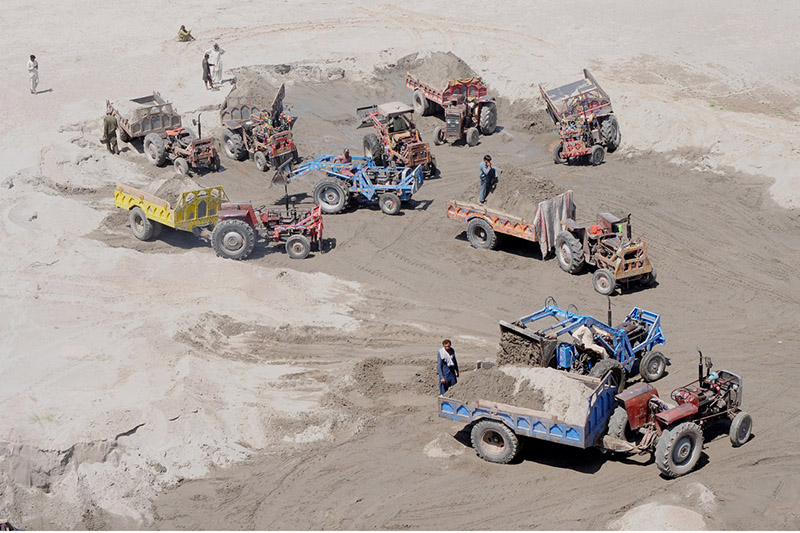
(486, 173)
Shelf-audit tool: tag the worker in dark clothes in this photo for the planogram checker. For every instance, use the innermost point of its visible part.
(486, 174)
(110, 133)
(207, 72)
(446, 366)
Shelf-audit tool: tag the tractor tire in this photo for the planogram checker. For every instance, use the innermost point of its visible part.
(472, 136)
(494, 442)
(652, 366)
(488, 118)
(181, 166)
(618, 424)
(481, 235)
(598, 155)
(261, 161)
(569, 252)
(390, 203)
(233, 145)
(678, 449)
(330, 196)
(298, 247)
(295, 157)
(142, 227)
(651, 278)
(439, 136)
(604, 366)
(604, 282)
(609, 132)
(373, 148)
(233, 239)
(741, 428)
(557, 158)
(123, 136)
(422, 106)
(155, 150)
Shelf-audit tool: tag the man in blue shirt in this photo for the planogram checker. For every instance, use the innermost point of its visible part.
(486, 174)
(446, 366)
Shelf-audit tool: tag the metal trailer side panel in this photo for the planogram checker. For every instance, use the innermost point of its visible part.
(538, 424)
(500, 222)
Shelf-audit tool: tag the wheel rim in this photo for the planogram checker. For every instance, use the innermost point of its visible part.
(603, 283)
(229, 147)
(480, 235)
(493, 442)
(744, 430)
(330, 195)
(297, 247)
(653, 366)
(151, 150)
(565, 255)
(138, 222)
(389, 204)
(683, 450)
(233, 241)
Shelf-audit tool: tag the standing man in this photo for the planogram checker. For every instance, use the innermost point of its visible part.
(446, 366)
(207, 72)
(33, 72)
(486, 174)
(110, 133)
(214, 60)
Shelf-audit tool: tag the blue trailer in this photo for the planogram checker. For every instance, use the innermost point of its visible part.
(497, 426)
(362, 177)
(564, 343)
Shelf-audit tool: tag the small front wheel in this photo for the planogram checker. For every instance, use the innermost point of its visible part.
(472, 136)
(494, 442)
(261, 161)
(652, 366)
(439, 136)
(604, 281)
(298, 247)
(598, 155)
(741, 428)
(559, 159)
(181, 166)
(390, 203)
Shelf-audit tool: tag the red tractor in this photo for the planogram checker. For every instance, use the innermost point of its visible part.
(644, 423)
(396, 141)
(253, 130)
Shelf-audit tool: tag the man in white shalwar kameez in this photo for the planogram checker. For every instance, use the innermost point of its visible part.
(215, 62)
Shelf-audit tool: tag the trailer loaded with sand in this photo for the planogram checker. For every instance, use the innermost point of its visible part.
(507, 402)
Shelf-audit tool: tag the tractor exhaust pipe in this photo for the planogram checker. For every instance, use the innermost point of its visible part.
(700, 366)
(610, 321)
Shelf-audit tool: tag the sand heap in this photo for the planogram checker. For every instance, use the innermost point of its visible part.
(171, 187)
(541, 389)
(518, 192)
(437, 69)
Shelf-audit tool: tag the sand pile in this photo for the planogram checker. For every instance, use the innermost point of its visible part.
(517, 350)
(518, 192)
(171, 187)
(542, 389)
(436, 69)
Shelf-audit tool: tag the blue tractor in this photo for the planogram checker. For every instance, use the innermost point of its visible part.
(584, 345)
(361, 177)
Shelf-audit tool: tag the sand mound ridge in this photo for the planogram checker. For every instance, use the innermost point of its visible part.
(436, 69)
(541, 389)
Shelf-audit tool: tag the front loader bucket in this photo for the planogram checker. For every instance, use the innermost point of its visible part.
(521, 346)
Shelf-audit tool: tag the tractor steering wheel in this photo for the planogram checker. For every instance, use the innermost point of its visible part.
(684, 395)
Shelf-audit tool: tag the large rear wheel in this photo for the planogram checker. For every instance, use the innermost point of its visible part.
(612, 366)
(488, 118)
(233, 145)
(373, 149)
(233, 239)
(330, 196)
(678, 449)
(422, 106)
(609, 131)
(569, 252)
(494, 442)
(481, 234)
(154, 149)
(142, 227)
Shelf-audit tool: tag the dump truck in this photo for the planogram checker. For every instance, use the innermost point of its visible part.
(634, 422)
(230, 227)
(154, 119)
(584, 119)
(467, 107)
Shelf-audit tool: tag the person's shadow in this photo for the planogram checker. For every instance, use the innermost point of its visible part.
(44, 91)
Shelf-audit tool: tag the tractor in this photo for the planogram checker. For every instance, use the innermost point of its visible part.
(607, 245)
(584, 345)
(584, 119)
(644, 423)
(255, 132)
(468, 110)
(155, 120)
(396, 140)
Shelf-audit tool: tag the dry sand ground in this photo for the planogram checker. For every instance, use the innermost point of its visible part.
(134, 371)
